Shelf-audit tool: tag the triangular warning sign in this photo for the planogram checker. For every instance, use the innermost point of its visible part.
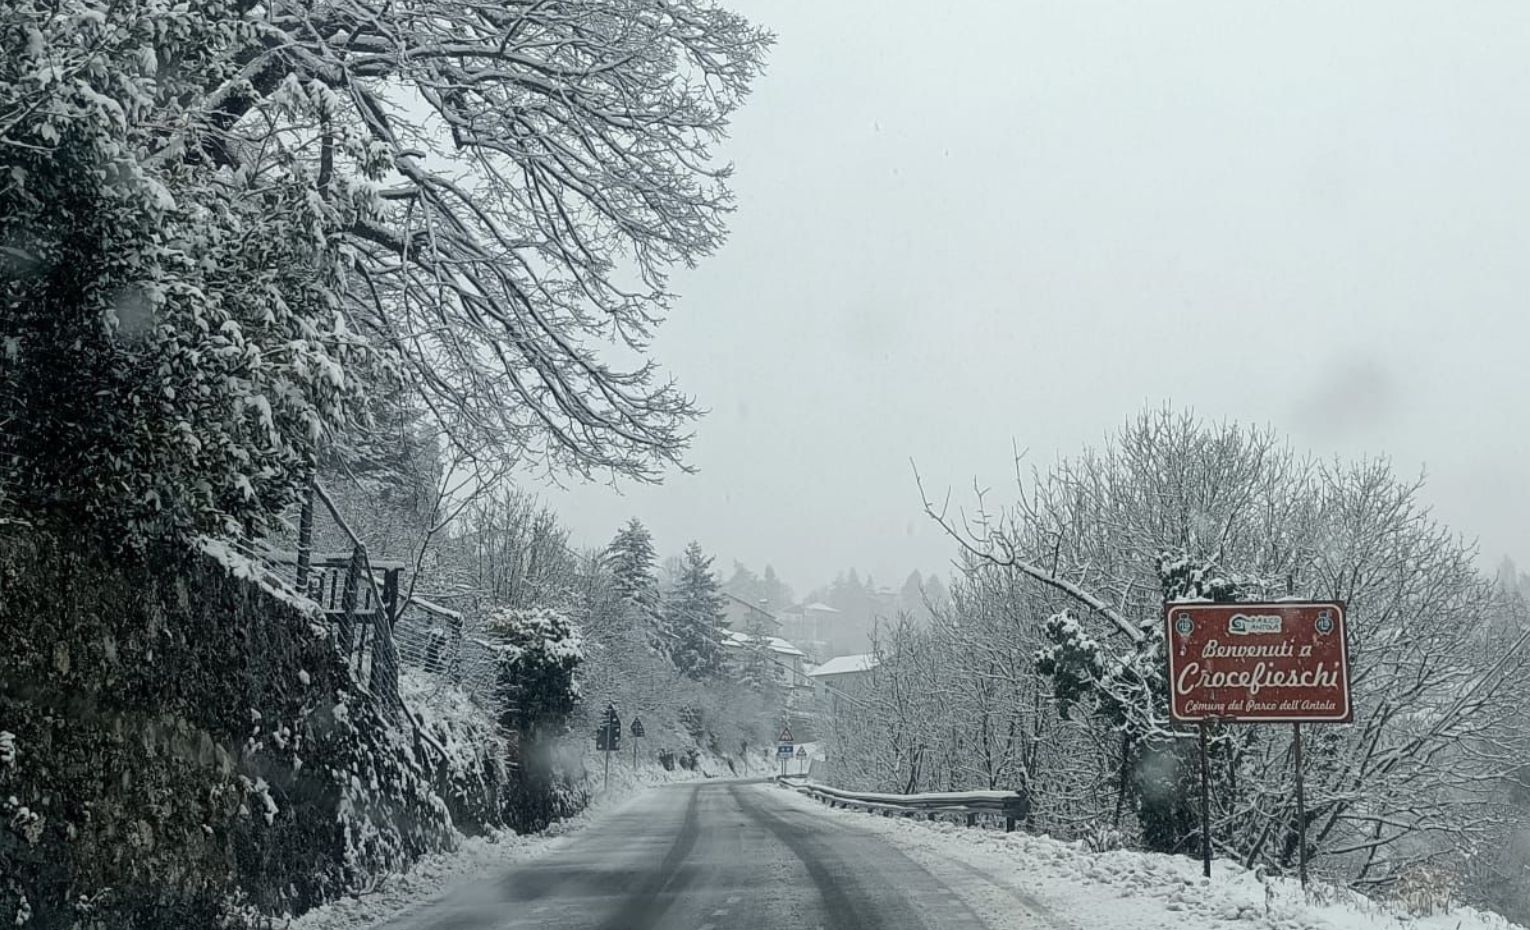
(786, 736)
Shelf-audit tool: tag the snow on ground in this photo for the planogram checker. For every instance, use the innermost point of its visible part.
(475, 858)
(1021, 881)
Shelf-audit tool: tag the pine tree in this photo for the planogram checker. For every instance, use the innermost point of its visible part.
(631, 560)
(911, 597)
(744, 584)
(778, 594)
(757, 669)
(694, 617)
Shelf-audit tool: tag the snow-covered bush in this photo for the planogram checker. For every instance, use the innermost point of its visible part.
(465, 754)
(1427, 890)
(539, 653)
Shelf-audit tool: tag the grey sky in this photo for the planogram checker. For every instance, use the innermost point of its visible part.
(969, 224)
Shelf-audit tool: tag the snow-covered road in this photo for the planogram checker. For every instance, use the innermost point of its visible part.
(719, 856)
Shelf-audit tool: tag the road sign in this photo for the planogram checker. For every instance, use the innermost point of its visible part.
(784, 751)
(1285, 662)
(609, 737)
(786, 735)
(802, 752)
(637, 727)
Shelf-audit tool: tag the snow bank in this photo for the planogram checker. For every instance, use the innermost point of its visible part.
(1018, 880)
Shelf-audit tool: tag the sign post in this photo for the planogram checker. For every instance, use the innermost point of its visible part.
(784, 750)
(1282, 662)
(608, 738)
(801, 760)
(637, 734)
(1301, 808)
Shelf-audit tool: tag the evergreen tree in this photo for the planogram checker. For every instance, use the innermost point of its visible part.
(935, 592)
(745, 584)
(693, 616)
(778, 594)
(911, 597)
(757, 669)
(631, 561)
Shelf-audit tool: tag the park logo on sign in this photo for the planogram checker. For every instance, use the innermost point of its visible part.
(1246, 624)
(1184, 626)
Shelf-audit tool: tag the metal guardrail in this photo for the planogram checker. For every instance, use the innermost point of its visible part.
(1012, 806)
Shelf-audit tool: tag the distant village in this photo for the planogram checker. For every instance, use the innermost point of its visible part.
(823, 655)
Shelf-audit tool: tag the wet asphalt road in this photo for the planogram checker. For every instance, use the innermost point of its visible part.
(713, 856)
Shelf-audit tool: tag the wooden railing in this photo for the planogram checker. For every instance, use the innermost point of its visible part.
(1011, 806)
(359, 597)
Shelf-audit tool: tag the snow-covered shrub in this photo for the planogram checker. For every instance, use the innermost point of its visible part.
(1101, 837)
(1427, 890)
(465, 754)
(539, 653)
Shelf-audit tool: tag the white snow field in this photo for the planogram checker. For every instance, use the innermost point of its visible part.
(1016, 880)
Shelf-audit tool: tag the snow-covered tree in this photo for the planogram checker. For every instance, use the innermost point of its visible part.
(777, 593)
(539, 652)
(163, 369)
(630, 558)
(693, 614)
(1176, 507)
(221, 225)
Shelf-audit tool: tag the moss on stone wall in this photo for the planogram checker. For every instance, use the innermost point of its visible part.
(181, 739)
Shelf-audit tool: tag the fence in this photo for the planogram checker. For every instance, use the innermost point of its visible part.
(450, 645)
(1010, 806)
(359, 597)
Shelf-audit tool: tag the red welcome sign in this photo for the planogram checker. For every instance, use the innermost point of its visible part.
(1286, 662)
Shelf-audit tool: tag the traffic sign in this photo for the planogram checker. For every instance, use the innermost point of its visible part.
(1284, 662)
(637, 727)
(786, 735)
(609, 737)
(784, 751)
(802, 752)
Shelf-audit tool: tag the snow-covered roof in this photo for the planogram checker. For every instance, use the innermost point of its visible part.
(775, 643)
(839, 665)
(754, 607)
(821, 606)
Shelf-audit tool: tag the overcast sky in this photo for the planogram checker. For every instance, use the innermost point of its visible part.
(970, 224)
